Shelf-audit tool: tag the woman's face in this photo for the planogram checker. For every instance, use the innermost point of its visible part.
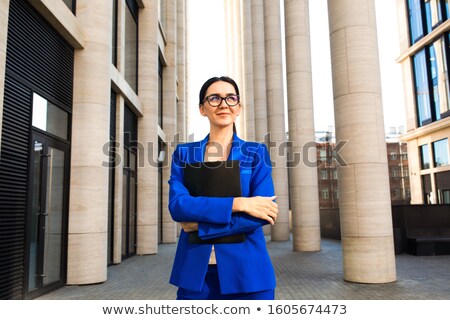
(223, 115)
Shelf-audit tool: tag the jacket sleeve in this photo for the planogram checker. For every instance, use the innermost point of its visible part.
(186, 208)
(261, 184)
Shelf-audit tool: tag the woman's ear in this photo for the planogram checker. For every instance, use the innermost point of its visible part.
(202, 110)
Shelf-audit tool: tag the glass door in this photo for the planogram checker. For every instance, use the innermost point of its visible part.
(47, 214)
(129, 208)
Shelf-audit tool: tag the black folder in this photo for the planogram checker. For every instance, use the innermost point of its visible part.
(214, 179)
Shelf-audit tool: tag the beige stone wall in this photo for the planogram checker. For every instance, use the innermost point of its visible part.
(169, 231)
(259, 69)
(88, 207)
(421, 136)
(364, 198)
(4, 12)
(60, 17)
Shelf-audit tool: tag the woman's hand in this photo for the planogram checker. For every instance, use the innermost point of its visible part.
(189, 226)
(258, 207)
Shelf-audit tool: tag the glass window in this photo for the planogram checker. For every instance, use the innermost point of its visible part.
(422, 91)
(440, 152)
(406, 173)
(436, 12)
(323, 174)
(50, 118)
(394, 172)
(425, 156)
(325, 193)
(335, 176)
(435, 76)
(428, 17)
(336, 194)
(322, 154)
(415, 20)
(445, 196)
(114, 33)
(160, 95)
(131, 41)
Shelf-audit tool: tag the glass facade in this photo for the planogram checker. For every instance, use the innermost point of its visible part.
(49, 118)
(431, 75)
(440, 153)
(131, 44)
(430, 63)
(425, 157)
(422, 90)
(424, 16)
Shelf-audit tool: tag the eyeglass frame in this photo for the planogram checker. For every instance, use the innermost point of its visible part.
(223, 99)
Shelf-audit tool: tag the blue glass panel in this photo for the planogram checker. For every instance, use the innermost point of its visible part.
(422, 92)
(415, 20)
(424, 157)
(428, 16)
(435, 81)
(440, 152)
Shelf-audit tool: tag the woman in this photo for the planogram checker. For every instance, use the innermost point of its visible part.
(222, 271)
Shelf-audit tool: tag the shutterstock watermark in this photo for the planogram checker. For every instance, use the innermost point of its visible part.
(281, 154)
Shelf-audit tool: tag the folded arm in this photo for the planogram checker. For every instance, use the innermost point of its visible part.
(251, 212)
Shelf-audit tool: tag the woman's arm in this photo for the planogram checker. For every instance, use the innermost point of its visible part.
(250, 212)
(186, 208)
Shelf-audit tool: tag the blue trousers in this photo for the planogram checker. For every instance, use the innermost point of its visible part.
(211, 290)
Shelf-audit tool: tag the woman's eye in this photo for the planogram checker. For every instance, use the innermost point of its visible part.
(232, 98)
(214, 98)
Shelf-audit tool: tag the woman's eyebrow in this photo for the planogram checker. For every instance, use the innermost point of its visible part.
(226, 94)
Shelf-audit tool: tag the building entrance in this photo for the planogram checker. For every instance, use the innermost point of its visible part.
(47, 215)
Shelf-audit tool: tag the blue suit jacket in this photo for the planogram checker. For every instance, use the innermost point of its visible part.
(242, 267)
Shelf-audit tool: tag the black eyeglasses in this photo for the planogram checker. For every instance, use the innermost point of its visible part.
(215, 100)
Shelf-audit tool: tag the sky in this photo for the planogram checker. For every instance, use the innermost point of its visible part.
(206, 29)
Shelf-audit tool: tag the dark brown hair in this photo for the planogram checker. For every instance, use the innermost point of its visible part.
(212, 80)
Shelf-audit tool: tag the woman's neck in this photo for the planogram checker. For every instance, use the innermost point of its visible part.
(219, 144)
(223, 136)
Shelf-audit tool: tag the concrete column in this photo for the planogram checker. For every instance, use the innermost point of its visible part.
(169, 110)
(364, 194)
(249, 110)
(259, 70)
(275, 115)
(88, 206)
(148, 193)
(181, 69)
(304, 195)
(4, 13)
(259, 75)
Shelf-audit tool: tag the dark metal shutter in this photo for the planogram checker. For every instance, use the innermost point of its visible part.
(130, 128)
(112, 116)
(13, 187)
(37, 55)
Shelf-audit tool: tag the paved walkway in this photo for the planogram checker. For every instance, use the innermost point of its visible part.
(300, 276)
